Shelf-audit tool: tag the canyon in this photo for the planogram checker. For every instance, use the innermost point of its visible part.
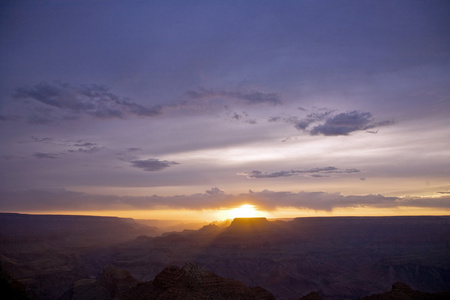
(334, 257)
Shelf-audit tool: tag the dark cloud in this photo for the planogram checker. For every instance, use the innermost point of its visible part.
(346, 123)
(88, 150)
(42, 140)
(59, 200)
(326, 122)
(84, 147)
(215, 191)
(85, 144)
(93, 100)
(249, 97)
(314, 172)
(152, 164)
(47, 155)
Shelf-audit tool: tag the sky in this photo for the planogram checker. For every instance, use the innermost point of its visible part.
(189, 109)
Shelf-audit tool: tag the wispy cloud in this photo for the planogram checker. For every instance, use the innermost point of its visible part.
(93, 100)
(41, 155)
(84, 147)
(314, 172)
(42, 140)
(249, 97)
(64, 147)
(152, 164)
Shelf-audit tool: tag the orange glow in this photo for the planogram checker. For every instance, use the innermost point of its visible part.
(243, 211)
(249, 211)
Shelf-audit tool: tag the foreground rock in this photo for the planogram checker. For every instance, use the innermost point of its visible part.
(401, 291)
(190, 282)
(194, 282)
(10, 288)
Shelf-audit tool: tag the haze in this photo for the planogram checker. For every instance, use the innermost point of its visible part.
(189, 110)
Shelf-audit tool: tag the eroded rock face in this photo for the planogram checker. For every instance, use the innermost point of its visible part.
(190, 282)
(116, 280)
(401, 291)
(11, 288)
(311, 296)
(110, 284)
(195, 282)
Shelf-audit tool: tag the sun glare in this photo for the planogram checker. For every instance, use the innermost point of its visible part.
(243, 211)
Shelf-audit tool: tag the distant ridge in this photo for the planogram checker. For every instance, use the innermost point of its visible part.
(71, 229)
(257, 221)
(250, 226)
(403, 291)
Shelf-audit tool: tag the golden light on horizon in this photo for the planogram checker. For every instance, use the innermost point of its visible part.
(243, 211)
(248, 211)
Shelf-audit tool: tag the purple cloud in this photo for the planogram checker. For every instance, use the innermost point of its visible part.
(152, 164)
(329, 124)
(41, 155)
(93, 100)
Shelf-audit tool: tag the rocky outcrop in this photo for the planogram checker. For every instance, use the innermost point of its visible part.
(116, 281)
(111, 283)
(311, 296)
(194, 282)
(10, 288)
(401, 291)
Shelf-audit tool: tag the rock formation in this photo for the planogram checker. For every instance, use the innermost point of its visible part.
(194, 282)
(401, 291)
(311, 296)
(190, 282)
(10, 288)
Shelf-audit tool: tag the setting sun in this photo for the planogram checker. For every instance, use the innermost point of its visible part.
(243, 211)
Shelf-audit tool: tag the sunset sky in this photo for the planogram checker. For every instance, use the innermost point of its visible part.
(187, 109)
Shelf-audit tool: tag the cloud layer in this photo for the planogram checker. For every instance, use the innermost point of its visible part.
(315, 172)
(60, 200)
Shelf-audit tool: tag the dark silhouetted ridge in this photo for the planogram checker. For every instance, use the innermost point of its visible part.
(249, 225)
(311, 296)
(248, 232)
(401, 291)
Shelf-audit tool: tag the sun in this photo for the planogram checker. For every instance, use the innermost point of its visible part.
(243, 211)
